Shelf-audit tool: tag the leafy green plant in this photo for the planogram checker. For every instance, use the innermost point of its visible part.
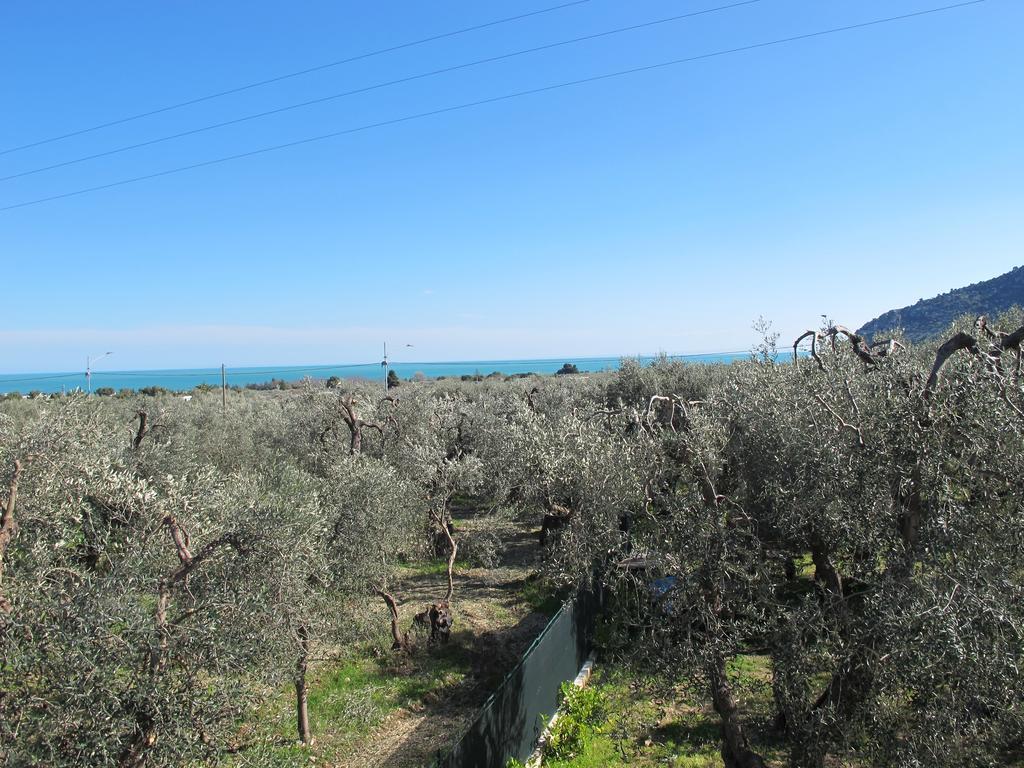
(584, 711)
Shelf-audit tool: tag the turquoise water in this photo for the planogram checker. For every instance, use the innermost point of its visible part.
(188, 378)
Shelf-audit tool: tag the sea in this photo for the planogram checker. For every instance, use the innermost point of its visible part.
(186, 379)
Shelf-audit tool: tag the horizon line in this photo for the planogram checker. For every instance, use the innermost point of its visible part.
(252, 369)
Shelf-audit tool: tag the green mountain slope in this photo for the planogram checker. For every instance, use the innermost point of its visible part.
(929, 317)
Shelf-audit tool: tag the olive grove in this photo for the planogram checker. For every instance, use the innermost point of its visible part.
(853, 514)
(891, 477)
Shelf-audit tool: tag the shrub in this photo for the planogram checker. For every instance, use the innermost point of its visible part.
(584, 711)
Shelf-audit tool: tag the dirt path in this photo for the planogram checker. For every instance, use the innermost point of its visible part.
(493, 626)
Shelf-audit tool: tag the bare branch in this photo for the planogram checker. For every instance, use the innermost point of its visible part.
(860, 348)
(815, 337)
(440, 519)
(843, 424)
(954, 344)
(140, 433)
(144, 428)
(529, 398)
(180, 538)
(399, 639)
(232, 540)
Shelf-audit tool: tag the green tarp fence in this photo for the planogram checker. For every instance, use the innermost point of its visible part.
(512, 719)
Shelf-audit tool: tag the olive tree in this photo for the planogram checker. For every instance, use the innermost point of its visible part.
(127, 639)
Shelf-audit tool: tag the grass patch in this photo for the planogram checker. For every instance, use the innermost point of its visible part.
(423, 568)
(348, 699)
(541, 595)
(648, 724)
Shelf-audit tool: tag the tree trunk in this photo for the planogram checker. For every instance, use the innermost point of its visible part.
(301, 687)
(141, 432)
(849, 687)
(736, 752)
(397, 636)
(453, 548)
(825, 572)
(910, 512)
(136, 753)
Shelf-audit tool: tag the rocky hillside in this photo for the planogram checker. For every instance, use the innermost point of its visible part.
(929, 317)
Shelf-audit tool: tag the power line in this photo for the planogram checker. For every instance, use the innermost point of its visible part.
(378, 86)
(491, 100)
(40, 378)
(298, 73)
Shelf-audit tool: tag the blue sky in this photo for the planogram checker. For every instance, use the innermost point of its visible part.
(665, 211)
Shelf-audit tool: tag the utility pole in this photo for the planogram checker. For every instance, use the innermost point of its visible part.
(88, 370)
(223, 388)
(384, 365)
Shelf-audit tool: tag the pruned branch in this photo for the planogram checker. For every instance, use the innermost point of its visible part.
(992, 357)
(660, 400)
(354, 423)
(1001, 342)
(180, 538)
(399, 639)
(190, 562)
(144, 428)
(868, 353)
(439, 518)
(676, 405)
(232, 540)
(860, 347)
(951, 346)
(1013, 340)
(815, 337)
(140, 433)
(529, 398)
